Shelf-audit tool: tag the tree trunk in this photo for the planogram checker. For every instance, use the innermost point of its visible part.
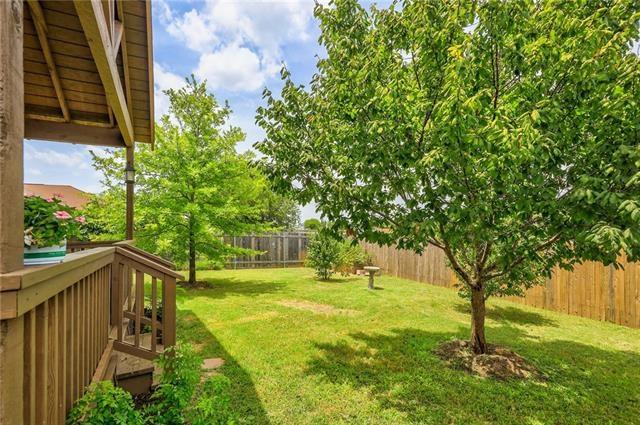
(192, 259)
(478, 342)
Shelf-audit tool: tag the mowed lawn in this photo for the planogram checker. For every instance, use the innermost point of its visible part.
(300, 351)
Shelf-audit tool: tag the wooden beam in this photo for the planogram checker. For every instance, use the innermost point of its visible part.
(41, 30)
(41, 117)
(118, 30)
(72, 133)
(11, 136)
(95, 28)
(150, 66)
(125, 57)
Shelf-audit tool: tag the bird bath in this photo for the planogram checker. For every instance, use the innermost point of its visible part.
(372, 270)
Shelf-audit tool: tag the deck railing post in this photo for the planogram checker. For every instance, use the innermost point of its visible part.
(169, 311)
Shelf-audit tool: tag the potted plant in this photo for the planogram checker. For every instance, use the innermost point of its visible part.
(48, 223)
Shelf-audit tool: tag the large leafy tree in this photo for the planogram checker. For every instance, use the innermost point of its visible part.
(193, 187)
(505, 133)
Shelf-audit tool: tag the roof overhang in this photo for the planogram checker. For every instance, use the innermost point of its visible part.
(88, 71)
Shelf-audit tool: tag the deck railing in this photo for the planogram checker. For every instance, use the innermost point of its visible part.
(58, 322)
(134, 272)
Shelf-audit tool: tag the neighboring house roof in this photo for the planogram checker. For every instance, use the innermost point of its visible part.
(69, 195)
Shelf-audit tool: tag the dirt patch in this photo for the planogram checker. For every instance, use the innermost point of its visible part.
(256, 317)
(498, 362)
(199, 284)
(325, 309)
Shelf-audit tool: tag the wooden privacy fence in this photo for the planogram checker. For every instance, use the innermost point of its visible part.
(286, 249)
(591, 290)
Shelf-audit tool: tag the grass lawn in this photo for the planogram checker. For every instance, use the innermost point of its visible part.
(299, 351)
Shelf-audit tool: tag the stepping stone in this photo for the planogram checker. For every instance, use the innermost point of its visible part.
(210, 364)
(209, 367)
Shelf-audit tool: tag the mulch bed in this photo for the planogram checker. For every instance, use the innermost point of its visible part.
(498, 363)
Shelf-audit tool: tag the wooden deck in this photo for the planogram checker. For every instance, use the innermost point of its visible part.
(82, 320)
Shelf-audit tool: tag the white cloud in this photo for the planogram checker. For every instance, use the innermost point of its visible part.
(235, 68)
(194, 30)
(67, 161)
(266, 24)
(164, 80)
(240, 41)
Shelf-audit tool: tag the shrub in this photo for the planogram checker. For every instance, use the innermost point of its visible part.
(312, 224)
(181, 371)
(351, 257)
(104, 404)
(323, 254)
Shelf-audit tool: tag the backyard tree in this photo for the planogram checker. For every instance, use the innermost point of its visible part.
(193, 187)
(506, 133)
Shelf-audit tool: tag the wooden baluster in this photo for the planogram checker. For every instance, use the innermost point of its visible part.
(119, 299)
(42, 345)
(77, 338)
(139, 305)
(154, 323)
(63, 354)
(69, 375)
(129, 288)
(52, 360)
(29, 382)
(116, 285)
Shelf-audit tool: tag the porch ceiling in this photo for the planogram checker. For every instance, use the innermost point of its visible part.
(88, 71)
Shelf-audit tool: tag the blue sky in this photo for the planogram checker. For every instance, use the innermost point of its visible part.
(238, 46)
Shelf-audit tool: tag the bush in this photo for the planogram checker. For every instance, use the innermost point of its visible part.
(104, 404)
(204, 264)
(323, 254)
(179, 398)
(312, 224)
(351, 257)
(181, 371)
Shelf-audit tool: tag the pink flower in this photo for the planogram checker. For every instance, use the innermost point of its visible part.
(62, 215)
(58, 195)
(81, 219)
(49, 199)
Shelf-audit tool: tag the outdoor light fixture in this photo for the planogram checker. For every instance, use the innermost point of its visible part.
(129, 174)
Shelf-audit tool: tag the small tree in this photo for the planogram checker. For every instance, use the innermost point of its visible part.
(505, 133)
(323, 254)
(193, 187)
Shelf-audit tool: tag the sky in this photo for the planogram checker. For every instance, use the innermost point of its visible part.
(237, 46)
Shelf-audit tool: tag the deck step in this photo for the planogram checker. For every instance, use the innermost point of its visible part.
(102, 370)
(134, 374)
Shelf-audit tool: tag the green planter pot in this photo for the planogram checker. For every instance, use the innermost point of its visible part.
(45, 255)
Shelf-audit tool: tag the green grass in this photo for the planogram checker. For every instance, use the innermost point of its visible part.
(370, 360)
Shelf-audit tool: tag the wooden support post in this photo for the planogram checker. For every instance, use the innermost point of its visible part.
(11, 203)
(130, 186)
(11, 136)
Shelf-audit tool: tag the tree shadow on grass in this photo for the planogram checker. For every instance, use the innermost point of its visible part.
(511, 314)
(230, 286)
(402, 373)
(244, 398)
